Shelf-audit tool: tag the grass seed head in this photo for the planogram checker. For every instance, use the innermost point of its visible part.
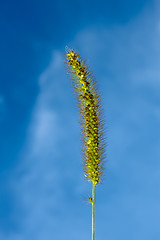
(91, 121)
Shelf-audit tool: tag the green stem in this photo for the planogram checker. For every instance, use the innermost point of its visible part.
(93, 211)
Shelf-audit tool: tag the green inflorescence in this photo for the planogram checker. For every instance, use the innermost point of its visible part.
(90, 116)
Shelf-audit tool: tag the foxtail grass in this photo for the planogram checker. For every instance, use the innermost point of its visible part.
(91, 121)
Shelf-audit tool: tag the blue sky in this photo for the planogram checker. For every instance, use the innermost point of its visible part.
(42, 191)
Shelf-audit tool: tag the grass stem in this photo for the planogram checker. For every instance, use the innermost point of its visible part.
(93, 211)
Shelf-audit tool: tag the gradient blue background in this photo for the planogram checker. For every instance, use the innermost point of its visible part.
(42, 190)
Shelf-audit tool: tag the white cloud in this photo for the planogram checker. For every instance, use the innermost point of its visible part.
(44, 130)
(36, 181)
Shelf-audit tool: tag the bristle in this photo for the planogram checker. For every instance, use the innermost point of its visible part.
(91, 120)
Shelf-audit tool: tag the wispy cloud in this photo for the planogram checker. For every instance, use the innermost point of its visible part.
(44, 130)
(37, 183)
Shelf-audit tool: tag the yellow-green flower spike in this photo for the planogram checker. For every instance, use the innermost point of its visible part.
(90, 116)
